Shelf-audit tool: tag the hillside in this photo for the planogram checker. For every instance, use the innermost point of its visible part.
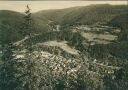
(84, 15)
(109, 15)
(11, 20)
(105, 24)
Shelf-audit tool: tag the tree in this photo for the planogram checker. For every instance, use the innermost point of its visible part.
(31, 63)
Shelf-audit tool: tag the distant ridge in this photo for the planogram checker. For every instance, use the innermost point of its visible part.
(88, 15)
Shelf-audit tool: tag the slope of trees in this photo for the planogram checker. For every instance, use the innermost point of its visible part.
(33, 71)
(8, 67)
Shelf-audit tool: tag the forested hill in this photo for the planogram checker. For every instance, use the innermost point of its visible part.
(92, 14)
(110, 15)
(10, 21)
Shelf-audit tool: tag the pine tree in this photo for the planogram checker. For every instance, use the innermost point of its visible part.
(30, 76)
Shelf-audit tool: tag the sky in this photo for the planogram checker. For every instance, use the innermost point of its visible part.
(45, 5)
